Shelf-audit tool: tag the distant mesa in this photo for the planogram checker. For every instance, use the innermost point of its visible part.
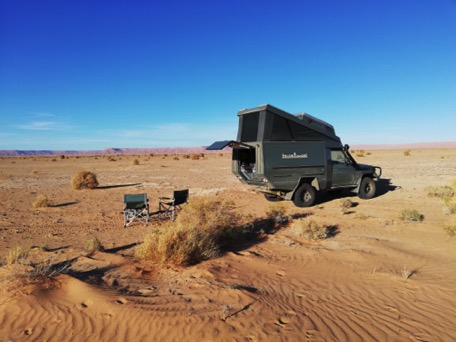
(198, 149)
(106, 151)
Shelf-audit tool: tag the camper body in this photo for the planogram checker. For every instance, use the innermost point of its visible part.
(293, 156)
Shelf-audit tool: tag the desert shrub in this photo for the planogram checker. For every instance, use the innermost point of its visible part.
(195, 156)
(202, 229)
(186, 156)
(408, 272)
(41, 201)
(450, 206)
(310, 229)
(451, 230)
(111, 159)
(92, 245)
(176, 158)
(440, 191)
(16, 255)
(360, 153)
(407, 153)
(62, 156)
(345, 205)
(84, 180)
(276, 213)
(453, 184)
(368, 153)
(411, 215)
(135, 162)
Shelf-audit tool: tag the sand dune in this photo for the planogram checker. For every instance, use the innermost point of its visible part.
(280, 287)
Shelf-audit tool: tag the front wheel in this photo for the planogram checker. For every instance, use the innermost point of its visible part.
(367, 188)
(304, 196)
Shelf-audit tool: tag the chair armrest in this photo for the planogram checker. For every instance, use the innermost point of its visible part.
(166, 198)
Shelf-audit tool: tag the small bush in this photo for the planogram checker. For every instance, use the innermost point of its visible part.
(409, 215)
(84, 180)
(176, 158)
(41, 201)
(92, 245)
(408, 272)
(440, 191)
(451, 230)
(135, 162)
(450, 206)
(345, 205)
(310, 229)
(407, 153)
(16, 255)
(202, 229)
(360, 153)
(195, 156)
(277, 213)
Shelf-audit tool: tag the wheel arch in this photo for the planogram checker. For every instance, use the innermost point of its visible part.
(309, 180)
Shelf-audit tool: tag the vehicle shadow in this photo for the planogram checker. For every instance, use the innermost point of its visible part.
(384, 185)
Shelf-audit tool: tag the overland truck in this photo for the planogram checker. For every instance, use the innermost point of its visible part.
(292, 157)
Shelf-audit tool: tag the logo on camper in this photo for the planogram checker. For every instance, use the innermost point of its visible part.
(294, 155)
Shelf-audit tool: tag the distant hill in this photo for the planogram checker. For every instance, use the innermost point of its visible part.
(106, 151)
(444, 144)
(199, 149)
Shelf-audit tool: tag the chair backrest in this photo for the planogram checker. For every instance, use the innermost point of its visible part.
(180, 196)
(136, 201)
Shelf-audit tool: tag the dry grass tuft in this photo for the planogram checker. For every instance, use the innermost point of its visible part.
(276, 212)
(451, 230)
(440, 191)
(408, 272)
(202, 229)
(411, 215)
(360, 153)
(41, 201)
(345, 205)
(407, 153)
(135, 162)
(16, 255)
(310, 229)
(92, 245)
(450, 206)
(84, 180)
(195, 156)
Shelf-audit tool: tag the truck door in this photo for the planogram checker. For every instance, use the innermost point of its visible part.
(343, 170)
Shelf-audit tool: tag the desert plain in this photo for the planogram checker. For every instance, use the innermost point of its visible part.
(376, 278)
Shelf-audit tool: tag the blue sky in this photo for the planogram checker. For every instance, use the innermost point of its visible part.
(99, 74)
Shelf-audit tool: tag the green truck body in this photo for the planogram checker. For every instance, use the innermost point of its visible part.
(293, 156)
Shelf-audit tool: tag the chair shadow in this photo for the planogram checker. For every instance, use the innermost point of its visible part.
(64, 204)
(117, 186)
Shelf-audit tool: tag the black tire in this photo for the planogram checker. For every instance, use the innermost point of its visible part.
(304, 196)
(272, 198)
(367, 188)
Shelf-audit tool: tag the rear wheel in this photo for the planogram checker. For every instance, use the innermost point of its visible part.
(304, 196)
(367, 188)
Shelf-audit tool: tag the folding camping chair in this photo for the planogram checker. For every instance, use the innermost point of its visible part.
(167, 206)
(136, 208)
